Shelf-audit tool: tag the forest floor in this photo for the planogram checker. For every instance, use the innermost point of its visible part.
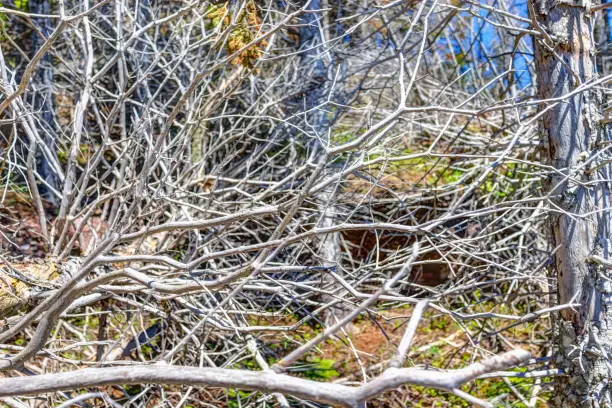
(358, 354)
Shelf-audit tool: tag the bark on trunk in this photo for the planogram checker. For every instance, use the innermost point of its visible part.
(44, 102)
(578, 145)
(602, 35)
(316, 90)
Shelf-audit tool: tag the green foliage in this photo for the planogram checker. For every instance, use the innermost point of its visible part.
(434, 350)
(85, 153)
(237, 397)
(249, 364)
(22, 5)
(344, 134)
(132, 389)
(507, 180)
(490, 388)
(430, 397)
(320, 369)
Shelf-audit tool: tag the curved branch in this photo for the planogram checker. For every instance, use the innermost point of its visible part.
(115, 259)
(264, 381)
(213, 222)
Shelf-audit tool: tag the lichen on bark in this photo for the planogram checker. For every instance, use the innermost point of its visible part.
(19, 280)
(578, 149)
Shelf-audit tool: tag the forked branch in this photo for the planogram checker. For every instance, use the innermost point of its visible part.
(263, 381)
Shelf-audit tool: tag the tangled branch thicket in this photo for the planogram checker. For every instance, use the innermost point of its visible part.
(271, 186)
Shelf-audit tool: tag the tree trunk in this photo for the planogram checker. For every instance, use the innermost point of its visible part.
(44, 101)
(601, 32)
(313, 61)
(577, 145)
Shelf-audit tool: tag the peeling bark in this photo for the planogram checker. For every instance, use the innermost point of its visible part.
(578, 145)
